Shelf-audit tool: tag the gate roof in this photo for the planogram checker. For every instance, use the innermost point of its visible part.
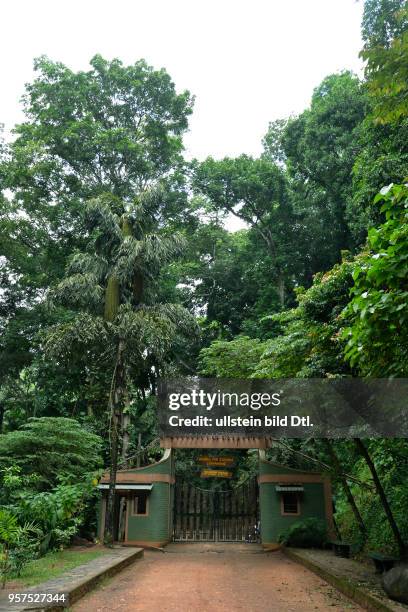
(215, 442)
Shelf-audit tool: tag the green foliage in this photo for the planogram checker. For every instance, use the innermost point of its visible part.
(383, 159)
(306, 342)
(51, 448)
(9, 528)
(321, 146)
(55, 515)
(58, 513)
(284, 355)
(97, 213)
(135, 262)
(382, 21)
(391, 461)
(385, 51)
(15, 545)
(255, 191)
(106, 133)
(309, 533)
(235, 359)
(24, 551)
(92, 132)
(272, 141)
(377, 338)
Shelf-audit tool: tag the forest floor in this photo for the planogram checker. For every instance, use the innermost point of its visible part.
(216, 577)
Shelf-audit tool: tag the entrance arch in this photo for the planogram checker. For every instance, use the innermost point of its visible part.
(180, 511)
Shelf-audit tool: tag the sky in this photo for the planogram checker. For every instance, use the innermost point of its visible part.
(247, 62)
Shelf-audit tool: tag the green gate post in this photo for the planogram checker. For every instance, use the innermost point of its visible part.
(314, 501)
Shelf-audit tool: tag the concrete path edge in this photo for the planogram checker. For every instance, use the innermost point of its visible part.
(89, 583)
(352, 590)
(76, 588)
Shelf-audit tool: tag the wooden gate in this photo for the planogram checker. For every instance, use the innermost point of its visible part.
(215, 516)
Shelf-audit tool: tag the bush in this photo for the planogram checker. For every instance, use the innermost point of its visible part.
(27, 548)
(309, 533)
(18, 545)
(59, 513)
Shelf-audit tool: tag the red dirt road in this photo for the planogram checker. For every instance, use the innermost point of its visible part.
(216, 578)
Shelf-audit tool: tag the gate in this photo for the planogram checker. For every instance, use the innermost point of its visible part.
(215, 516)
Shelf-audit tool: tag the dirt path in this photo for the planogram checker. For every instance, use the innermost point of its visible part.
(216, 578)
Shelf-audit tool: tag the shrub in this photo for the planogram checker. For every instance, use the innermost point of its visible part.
(15, 540)
(309, 533)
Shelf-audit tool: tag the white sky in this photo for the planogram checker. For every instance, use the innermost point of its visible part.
(247, 62)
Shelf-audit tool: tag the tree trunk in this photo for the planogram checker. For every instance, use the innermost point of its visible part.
(139, 448)
(125, 438)
(112, 297)
(347, 490)
(281, 290)
(116, 401)
(387, 509)
(122, 518)
(2, 411)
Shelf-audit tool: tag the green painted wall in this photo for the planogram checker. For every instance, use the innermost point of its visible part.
(155, 526)
(312, 503)
(158, 524)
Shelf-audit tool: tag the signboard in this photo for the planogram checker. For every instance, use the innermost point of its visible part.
(215, 474)
(217, 461)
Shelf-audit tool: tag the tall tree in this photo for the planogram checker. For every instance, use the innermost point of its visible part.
(321, 146)
(116, 318)
(113, 129)
(255, 191)
(383, 155)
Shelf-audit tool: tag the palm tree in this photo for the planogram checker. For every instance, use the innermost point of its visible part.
(116, 317)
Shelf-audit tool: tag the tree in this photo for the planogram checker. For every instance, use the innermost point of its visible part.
(385, 31)
(338, 471)
(384, 501)
(113, 129)
(255, 191)
(116, 317)
(382, 160)
(321, 146)
(382, 21)
(383, 135)
(225, 276)
(307, 343)
(273, 141)
(51, 448)
(235, 359)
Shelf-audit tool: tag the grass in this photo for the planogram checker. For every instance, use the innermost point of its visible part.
(53, 565)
